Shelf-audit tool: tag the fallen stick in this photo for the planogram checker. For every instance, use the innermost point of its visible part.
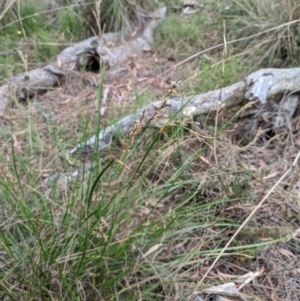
(262, 86)
(76, 57)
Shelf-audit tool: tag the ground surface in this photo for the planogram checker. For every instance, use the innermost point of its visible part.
(227, 179)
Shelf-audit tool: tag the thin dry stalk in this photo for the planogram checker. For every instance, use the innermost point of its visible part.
(5, 6)
(127, 144)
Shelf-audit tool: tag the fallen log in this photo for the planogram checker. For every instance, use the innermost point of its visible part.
(277, 89)
(77, 57)
(260, 86)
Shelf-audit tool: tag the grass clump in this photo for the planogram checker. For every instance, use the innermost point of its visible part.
(125, 15)
(126, 240)
(179, 37)
(127, 230)
(275, 26)
(71, 23)
(146, 220)
(210, 76)
(29, 28)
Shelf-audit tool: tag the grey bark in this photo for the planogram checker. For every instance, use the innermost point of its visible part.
(261, 86)
(29, 84)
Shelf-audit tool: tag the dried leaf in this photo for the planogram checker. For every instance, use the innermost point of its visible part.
(105, 94)
(271, 175)
(69, 160)
(247, 278)
(261, 163)
(204, 160)
(144, 210)
(223, 276)
(287, 253)
(102, 111)
(220, 298)
(59, 63)
(17, 145)
(228, 289)
(153, 249)
(147, 48)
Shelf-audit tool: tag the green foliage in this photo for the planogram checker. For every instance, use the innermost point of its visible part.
(124, 14)
(45, 49)
(180, 38)
(35, 36)
(71, 23)
(100, 231)
(221, 74)
(275, 26)
(30, 19)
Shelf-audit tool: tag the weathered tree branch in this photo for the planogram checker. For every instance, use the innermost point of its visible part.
(193, 105)
(28, 84)
(262, 86)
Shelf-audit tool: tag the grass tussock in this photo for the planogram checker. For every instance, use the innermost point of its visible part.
(274, 25)
(147, 219)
